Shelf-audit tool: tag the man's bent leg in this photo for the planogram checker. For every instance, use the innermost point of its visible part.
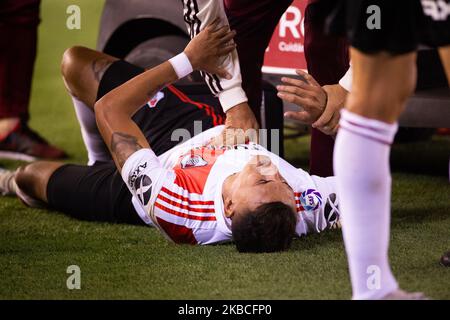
(93, 193)
(381, 85)
(82, 69)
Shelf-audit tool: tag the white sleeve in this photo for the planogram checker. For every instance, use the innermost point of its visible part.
(143, 173)
(346, 80)
(198, 14)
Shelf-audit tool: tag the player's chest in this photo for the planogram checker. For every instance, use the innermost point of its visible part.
(194, 167)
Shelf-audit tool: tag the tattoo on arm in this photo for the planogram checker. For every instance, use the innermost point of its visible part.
(99, 67)
(123, 145)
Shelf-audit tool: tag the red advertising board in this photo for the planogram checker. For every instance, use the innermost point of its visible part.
(285, 52)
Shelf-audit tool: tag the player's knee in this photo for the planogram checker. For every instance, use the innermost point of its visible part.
(384, 105)
(70, 64)
(68, 60)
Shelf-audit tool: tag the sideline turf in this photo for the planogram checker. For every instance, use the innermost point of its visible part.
(119, 261)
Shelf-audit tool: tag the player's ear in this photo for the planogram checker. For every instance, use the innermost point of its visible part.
(228, 207)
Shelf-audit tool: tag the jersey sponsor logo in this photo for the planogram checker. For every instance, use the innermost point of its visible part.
(135, 174)
(331, 212)
(156, 98)
(143, 187)
(438, 10)
(311, 199)
(190, 161)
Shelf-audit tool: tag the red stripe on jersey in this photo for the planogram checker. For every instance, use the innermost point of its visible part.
(208, 109)
(192, 182)
(186, 99)
(179, 196)
(183, 215)
(187, 207)
(179, 234)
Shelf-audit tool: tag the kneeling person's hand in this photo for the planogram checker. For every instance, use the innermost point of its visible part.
(320, 105)
(205, 49)
(307, 94)
(240, 127)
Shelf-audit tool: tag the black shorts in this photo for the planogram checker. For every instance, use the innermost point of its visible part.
(97, 193)
(403, 24)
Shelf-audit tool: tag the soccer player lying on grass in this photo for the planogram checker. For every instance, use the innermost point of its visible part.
(193, 192)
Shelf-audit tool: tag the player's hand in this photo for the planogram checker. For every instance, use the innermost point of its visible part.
(207, 48)
(308, 95)
(240, 127)
(328, 122)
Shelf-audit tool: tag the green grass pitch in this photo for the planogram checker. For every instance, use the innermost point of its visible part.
(123, 262)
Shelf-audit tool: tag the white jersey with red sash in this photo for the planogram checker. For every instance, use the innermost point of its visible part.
(180, 192)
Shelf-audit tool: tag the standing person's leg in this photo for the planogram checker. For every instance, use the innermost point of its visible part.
(384, 75)
(327, 60)
(19, 20)
(361, 164)
(321, 154)
(18, 33)
(444, 52)
(254, 22)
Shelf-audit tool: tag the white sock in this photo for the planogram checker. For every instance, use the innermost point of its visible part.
(96, 148)
(361, 165)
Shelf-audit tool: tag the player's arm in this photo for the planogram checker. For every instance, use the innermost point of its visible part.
(115, 110)
(198, 14)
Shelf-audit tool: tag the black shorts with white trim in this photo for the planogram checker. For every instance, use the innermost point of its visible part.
(398, 26)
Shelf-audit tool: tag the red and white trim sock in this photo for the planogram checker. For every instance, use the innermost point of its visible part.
(361, 165)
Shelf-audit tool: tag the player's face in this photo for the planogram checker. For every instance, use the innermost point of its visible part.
(260, 182)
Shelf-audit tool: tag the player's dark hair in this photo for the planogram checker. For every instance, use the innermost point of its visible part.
(269, 228)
